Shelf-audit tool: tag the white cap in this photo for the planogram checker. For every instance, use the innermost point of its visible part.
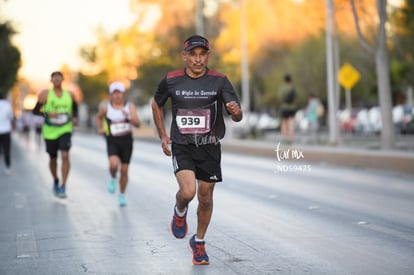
(116, 86)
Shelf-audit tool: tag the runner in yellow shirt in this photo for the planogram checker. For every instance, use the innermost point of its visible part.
(60, 110)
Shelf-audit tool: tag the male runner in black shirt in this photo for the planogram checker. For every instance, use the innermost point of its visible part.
(198, 96)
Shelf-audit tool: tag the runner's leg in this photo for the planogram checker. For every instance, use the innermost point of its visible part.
(53, 167)
(187, 188)
(124, 177)
(6, 149)
(113, 165)
(205, 207)
(65, 166)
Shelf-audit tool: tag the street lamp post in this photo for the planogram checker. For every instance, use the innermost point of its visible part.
(244, 59)
(199, 17)
(330, 68)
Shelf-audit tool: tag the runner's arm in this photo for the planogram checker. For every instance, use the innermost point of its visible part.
(235, 111)
(41, 100)
(231, 101)
(37, 110)
(75, 111)
(159, 123)
(99, 119)
(134, 119)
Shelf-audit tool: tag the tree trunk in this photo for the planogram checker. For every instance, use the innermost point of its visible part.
(383, 80)
(383, 72)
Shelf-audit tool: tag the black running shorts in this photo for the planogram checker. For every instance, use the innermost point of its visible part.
(121, 148)
(288, 113)
(61, 143)
(204, 160)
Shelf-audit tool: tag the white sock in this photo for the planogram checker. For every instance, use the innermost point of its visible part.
(198, 240)
(180, 214)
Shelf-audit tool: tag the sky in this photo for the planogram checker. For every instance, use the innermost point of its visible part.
(51, 32)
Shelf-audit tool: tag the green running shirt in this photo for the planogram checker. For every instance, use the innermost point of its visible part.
(58, 112)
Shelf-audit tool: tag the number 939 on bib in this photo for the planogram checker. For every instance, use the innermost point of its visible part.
(193, 121)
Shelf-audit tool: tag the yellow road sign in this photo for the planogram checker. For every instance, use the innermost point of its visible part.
(348, 76)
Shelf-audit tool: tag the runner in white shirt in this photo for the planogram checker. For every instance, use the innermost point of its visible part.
(6, 118)
(115, 119)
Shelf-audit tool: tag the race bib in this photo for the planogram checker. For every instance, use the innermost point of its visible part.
(59, 119)
(193, 121)
(120, 128)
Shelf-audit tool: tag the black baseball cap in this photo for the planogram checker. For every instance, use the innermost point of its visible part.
(196, 41)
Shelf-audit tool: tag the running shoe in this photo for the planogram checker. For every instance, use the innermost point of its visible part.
(62, 192)
(200, 256)
(112, 186)
(179, 225)
(56, 187)
(122, 200)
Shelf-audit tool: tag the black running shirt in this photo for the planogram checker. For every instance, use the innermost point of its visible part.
(197, 105)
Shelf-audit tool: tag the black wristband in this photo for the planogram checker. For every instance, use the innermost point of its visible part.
(37, 109)
(75, 109)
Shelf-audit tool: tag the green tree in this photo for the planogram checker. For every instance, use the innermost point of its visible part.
(402, 29)
(94, 89)
(10, 59)
(150, 75)
(296, 47)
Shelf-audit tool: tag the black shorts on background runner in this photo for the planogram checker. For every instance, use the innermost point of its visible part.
(61, 143)
(204, 160)
(121, 148)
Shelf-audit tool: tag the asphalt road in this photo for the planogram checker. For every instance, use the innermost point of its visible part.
(270, 217)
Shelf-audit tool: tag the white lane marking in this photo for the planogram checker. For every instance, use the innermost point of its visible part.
(26, 245)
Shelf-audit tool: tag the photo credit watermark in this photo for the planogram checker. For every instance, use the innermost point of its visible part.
(290, 154)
